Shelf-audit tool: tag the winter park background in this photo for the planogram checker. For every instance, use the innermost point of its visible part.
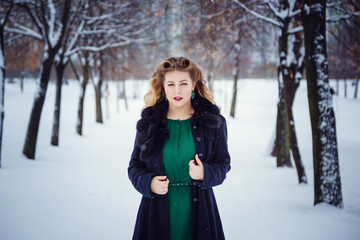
(255, 55)
(81, 190)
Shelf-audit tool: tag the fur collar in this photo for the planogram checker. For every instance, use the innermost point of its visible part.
(152, 129)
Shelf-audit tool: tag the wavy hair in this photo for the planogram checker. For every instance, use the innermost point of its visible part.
(156, 92)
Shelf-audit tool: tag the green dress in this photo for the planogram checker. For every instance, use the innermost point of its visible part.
(178, 150)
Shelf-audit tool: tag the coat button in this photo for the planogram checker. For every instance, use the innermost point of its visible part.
(194, 127)
(195, 199)
(200, 154)
(198, 139)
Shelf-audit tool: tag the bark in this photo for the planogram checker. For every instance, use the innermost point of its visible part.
(22, 76)
(327, 182)
(291, 84)
(337, 86)
(2, 89)
(98, 87)
(288, 83)
(282, 140)
(210, 74)
(210, 80)
(356, 87)
(33, 127)
(124, 94)
(60, 68)
(83, 83)
(236, 74)
(107, 93)
(80, 112)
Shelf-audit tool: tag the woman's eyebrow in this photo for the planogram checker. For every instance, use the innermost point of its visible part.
(180, 81)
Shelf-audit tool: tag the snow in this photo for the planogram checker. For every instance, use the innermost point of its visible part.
(80, 190)
(306, 9)
(54, 35)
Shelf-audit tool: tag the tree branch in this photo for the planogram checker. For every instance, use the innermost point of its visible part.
(266, 19)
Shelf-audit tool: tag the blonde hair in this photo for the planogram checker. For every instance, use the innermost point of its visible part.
(156, 92)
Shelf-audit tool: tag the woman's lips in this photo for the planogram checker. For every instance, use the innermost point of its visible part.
(178, 98)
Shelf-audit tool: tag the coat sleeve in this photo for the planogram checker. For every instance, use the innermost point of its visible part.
(138, 173)
(215, 172)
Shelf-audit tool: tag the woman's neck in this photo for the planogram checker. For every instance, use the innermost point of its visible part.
(182, 113)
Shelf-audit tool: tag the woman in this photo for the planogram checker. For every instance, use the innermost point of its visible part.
(180, 153)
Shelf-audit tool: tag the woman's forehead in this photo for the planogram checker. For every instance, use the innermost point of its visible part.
(177, 76)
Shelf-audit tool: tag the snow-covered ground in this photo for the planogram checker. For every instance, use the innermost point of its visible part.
(80, 190)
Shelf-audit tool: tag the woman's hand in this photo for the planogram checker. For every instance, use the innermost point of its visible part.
(196, 171)
(159, 185)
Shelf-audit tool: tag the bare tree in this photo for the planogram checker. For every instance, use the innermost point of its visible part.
(241, 31)
(206, 35)
(343, 46)
(289, 73)
(72, 34)
(51, 21)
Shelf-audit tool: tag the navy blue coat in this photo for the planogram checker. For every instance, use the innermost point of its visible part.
(210, 137)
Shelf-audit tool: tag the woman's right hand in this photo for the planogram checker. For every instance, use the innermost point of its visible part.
(159, 185)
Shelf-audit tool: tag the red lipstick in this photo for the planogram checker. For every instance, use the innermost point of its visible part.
(178, 98)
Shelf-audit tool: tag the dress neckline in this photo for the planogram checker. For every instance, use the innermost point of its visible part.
(178, 120)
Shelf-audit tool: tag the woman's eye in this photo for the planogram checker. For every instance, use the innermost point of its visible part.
(184, 84)
(170, 84)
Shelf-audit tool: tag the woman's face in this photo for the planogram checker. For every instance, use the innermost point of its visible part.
(178, 87)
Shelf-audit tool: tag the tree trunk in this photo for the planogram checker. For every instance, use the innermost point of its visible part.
(60, 68)
(33, 127)
(209, 80)
(2, 90)
(345, 88)
(83, 83)
(295, 151)
(99, 117)
(327, 183)
(291, 83)
(107, 93)
(236, 74)
(210, 74)
(233, 101)
(282, 141)
(98, 88)
(356, 87)
(80, 115)
(124, 95)
(337, 87)
(22, 75)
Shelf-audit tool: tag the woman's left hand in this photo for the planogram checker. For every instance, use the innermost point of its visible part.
(196, 171)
